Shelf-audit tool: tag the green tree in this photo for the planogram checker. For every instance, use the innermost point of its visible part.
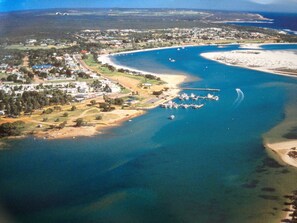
(119, 101)
(11, 129)
(97, 84)
(73, 108)
(48, 111)
(58, 108)
(98, 117)
(79, 122)
(62, 125)
(84, 57)
(93, 102)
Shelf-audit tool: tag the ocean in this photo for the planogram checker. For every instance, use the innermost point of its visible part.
(286, 22)
(205, 166)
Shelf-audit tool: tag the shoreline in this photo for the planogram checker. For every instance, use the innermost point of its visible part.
(282, 149)
(105, 59)
(87, 131)
(119, 116)
(275, 141)
(172, 82)
(153, 49)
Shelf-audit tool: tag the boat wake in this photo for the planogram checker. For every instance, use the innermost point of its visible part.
(239, 99)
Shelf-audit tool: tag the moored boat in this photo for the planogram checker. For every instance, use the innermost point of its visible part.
(171, 117)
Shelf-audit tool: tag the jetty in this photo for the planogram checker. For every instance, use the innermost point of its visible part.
(201, 89)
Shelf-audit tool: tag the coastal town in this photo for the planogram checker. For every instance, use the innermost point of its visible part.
(78, 68)
(41, 89)
(113, 40)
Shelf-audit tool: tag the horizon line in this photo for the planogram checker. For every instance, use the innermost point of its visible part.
(137, 8)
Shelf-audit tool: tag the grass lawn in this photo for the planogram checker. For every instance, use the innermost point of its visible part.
(105, 71)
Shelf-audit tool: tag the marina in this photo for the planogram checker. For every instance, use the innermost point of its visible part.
(186, 97)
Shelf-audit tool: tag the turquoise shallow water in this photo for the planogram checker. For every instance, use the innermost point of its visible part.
(207, 165)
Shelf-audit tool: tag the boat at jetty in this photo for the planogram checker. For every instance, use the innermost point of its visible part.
(186, 97)
(192, 96)
(212, 97)
(185, 106)
(197, 106)
(171, 117)
(169, 104)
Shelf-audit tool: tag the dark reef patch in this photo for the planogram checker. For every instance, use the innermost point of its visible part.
(292, 134)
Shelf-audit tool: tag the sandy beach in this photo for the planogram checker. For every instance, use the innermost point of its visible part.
(173, 81)
(282, 149)
(277, 142)
(277, 62)
(251, 46)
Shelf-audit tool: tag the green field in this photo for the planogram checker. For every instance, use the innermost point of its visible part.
(105, 71)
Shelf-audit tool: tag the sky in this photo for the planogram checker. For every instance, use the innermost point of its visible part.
(240, 5)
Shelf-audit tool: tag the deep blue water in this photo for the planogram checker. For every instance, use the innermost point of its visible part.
(197, 168)
(281, 21)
